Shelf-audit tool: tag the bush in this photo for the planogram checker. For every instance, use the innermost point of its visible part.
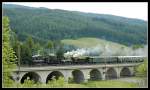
(141, 70)
(28, 83)
(56, 83)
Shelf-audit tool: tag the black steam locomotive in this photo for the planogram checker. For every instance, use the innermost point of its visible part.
(53, 60)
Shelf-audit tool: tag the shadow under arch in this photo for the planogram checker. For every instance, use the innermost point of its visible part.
(125, 72)
(78, 76)
(111, 74)
(30, 76)
(54, 75)
(95, 74)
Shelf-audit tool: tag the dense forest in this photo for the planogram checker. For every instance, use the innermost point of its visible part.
(44, 24)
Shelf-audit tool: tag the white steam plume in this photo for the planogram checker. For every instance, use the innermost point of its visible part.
(107, 50)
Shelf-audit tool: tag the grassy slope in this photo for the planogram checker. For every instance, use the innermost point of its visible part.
(91, 42)
(109, 84)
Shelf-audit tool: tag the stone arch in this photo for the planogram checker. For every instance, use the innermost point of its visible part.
(78, 76)
(31, 76)
(95, 74)
(54, 74)
(111, 73)
(125, 72)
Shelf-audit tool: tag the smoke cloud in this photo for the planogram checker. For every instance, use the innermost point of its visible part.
(107, 50)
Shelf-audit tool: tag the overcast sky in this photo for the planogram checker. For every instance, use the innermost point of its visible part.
(126, 9)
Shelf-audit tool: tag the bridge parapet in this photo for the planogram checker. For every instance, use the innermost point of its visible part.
(70, 67)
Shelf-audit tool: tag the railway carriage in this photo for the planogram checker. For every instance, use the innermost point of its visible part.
(53, 60)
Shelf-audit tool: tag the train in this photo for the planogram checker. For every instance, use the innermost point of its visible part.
(53, 60)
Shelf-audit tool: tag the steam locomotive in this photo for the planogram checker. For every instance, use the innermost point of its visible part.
(53, 60)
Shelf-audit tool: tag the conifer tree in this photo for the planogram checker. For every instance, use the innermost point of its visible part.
(8, 56)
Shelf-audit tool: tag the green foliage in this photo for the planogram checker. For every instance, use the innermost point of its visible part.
(137, 46)
(37, 48)
(60, 51)
(91, 84)
(49, 47)
(29, 48)
(56, 83)
(8, 56)
(141, 70)
(110, 84)
(28, 83)
(47, 24)
(26, 55)
(49, 44)
(30, 43)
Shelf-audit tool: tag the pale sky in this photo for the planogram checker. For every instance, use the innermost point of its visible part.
(137, 10)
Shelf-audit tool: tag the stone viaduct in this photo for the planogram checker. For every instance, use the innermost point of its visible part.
(78, 73)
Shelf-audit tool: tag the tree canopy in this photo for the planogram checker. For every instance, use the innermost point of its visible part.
(54, 24)
(8, 56)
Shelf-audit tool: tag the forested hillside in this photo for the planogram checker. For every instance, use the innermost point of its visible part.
(52, 24)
